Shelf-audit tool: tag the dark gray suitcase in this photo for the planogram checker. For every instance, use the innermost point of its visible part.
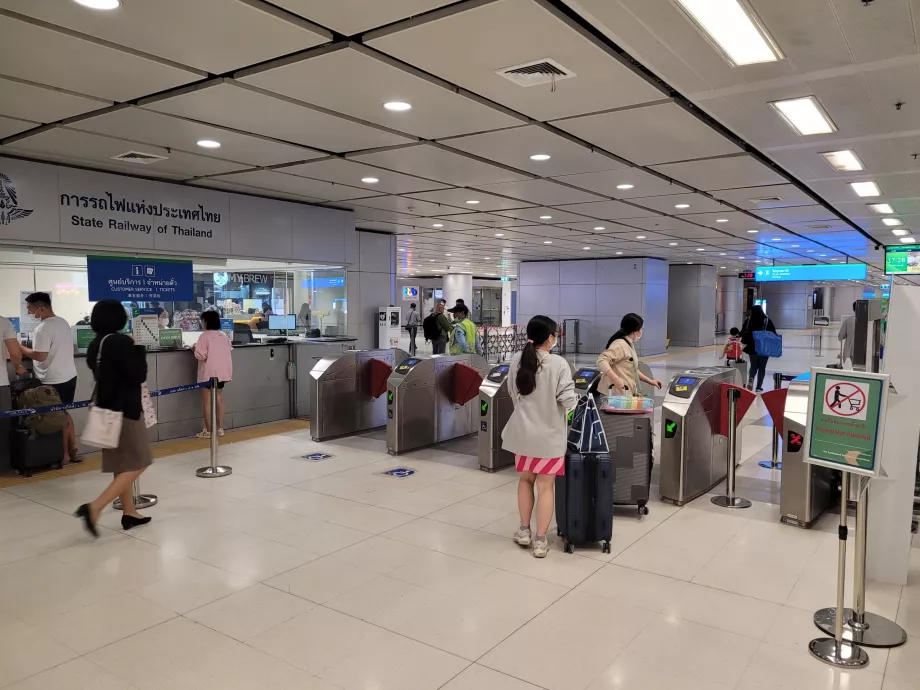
(30, 451)
(629, 437)
(584, 500)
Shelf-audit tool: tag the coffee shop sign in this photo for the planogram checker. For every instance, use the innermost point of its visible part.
(139, 208)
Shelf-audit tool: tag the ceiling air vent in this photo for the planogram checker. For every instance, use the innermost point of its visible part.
(544, 71)
(138, 157)
(767, 200)
(818, 227)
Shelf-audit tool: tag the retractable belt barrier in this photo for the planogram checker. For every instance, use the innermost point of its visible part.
(86, 403)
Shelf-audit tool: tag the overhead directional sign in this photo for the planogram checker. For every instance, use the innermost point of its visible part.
(766, 274)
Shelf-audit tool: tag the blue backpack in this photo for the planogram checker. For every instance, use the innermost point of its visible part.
(767, 343)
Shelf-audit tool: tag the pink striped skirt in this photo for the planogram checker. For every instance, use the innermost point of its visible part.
(525, 463)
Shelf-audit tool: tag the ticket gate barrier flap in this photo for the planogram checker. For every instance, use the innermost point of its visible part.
(495, 409)
(743, 403)
(342, 401)
(419, 403)
(694, 455)
(806, 490)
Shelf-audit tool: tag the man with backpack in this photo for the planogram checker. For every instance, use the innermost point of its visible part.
(436, 329)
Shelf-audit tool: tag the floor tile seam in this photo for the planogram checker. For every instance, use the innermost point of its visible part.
(649, 532)
(502, 673)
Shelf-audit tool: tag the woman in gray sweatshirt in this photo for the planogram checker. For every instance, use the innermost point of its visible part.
(543, 393)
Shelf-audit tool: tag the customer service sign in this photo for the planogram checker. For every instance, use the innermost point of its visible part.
(129, 279)
(846, 415)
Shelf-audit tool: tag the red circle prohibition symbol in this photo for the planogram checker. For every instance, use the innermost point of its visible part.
(846, 399)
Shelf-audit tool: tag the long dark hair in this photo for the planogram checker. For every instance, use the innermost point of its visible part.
(757, 320)
(629, 324)
(539, 329)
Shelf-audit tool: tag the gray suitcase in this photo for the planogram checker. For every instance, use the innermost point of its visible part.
(629, 437)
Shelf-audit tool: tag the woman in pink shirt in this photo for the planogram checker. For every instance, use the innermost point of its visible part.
(213, 352)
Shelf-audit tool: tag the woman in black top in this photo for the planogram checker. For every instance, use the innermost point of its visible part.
(758, 321)
(120, 367)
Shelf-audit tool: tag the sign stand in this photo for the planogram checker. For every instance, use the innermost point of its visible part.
(140, 500)
(730, 500)
(214, 470)
(836, 650)
(860, 626)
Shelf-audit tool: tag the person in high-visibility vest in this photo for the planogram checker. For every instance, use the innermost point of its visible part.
(464, 336)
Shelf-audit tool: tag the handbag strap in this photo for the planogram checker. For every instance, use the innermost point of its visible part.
(98, 361)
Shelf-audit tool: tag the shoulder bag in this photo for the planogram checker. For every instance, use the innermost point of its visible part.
(103, 427)
(767, 343)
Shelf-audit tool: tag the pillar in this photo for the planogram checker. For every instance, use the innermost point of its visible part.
(458, 286)
(730, 302)
(692, 305)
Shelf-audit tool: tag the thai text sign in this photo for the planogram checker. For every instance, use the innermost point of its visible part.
(132, 279)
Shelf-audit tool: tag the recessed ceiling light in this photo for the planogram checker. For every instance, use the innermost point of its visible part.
(794, 246)
(448, 255)
(908, 240)
(753, 232)
(487, 258)
(546, 217)
(892, 222)
(499, 234)
(867, 188)
(700, 249)
(438, 225)
(397, 106)
(586, 247)
(431, 259)
(99, 4)
(208, 144)
(600, 227)
(672, 244)
(843, 161)
(822, 254)
(640, 237)
(881, 208)
(805, 116)
(740, 257)
(472, 202)
(734, 29)
(681, 205)
(809, 251)
(618, 253)
(721, 220)
(777, 239)
(547, 242)
(757, 261)
(370, 180)
(402, 249)
(900, 233)
(540, 157)
(689, 263)
(721, 266)
(625, 186)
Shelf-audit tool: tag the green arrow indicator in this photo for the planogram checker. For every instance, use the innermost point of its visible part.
(672, 426)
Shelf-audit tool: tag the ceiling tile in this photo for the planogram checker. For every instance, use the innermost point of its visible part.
(436, 112)
(651, 134)
(11, 125)
(486, 219)
(350, 172)
(543, 192)
(435, 163)
(248, 111)
(696, 203)
(459, 196)
(353, 16)
(268, 179)
(538, 214)
(722, 173)
(405, 205)
(40, 104)
(513, 32)
(609, 210)
(45, 56)
(608, 183)
(764, 197)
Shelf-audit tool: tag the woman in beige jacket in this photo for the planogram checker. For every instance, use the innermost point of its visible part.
(619, 363)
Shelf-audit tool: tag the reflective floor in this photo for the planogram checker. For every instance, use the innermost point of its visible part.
(323, 575)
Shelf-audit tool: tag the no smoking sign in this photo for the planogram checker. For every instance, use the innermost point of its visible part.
(845, 399)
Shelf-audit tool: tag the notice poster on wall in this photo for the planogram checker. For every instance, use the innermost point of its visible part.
(129, 279)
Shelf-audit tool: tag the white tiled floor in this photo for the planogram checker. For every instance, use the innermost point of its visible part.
(327, 576)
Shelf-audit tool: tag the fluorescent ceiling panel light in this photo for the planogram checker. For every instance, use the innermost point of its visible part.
(805, 116)
(900, 233)
(881, 208)
(908, 240)
(843, 161)
(734, 29)
(868, 188)
(892, 222)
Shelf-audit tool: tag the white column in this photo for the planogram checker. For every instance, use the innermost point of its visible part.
(458, 286)
(731, 301)
(506, 303)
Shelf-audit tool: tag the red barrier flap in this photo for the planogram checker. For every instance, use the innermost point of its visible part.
(465, 384)
(744, 403)
(378, 372)
(775, 402)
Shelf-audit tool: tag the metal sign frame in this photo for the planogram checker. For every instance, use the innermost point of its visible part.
(822, 373)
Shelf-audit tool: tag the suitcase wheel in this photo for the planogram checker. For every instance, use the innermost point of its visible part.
(569, 547)
(558, 532)
(643, 510)
(606, 547)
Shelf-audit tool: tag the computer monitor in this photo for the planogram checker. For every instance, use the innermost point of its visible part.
(291, 322)
(276, 322)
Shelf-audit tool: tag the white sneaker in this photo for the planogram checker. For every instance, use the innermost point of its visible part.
(220, 432)
(204, 433)
(540, 547)
(522, 537)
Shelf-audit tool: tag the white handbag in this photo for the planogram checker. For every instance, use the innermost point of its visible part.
(103, 427)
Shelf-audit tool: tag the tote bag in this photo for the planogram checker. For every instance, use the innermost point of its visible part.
(767, 343)
(586, 434)
(103, 427)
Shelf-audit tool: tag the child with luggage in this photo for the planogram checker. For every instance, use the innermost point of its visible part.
(543, 394)
(732, 353)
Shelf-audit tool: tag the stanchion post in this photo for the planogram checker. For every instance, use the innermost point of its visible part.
(214, 470)
(141, 501)
(836, 650)
(774, 463)
(859, 626)
(730, 500)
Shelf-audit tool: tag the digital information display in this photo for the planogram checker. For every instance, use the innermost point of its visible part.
(585, 376)
(686, 381)
(766, 274)
(903, 259)
(406, 365)
(499, 372)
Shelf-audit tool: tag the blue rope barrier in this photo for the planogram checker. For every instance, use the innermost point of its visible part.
(10, 414)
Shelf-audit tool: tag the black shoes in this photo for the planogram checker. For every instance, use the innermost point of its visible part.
(83, 513)
(129, 522)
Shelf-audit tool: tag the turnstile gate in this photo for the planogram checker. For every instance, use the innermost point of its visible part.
(495, 408)
(806, 490)
(346, 392)
(694, 456)
(422, 407)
